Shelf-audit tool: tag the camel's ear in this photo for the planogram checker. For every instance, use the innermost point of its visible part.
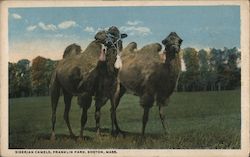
(123, 35)
(164, 41)
(180, 41)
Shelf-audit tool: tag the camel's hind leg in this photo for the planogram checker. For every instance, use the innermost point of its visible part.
(146, 102)
(55, 94)
(67, 101)
(117, 102)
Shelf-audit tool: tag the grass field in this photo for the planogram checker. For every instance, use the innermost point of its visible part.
(196, 120)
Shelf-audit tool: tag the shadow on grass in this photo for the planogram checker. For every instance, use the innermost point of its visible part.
(62, 137)
(93, 129)
(126, 134)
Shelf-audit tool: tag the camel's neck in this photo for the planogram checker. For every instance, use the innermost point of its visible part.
(173, 64)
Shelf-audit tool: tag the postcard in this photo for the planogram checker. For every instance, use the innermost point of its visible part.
(124, 78)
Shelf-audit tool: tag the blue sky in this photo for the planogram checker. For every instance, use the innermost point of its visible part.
(47, 31)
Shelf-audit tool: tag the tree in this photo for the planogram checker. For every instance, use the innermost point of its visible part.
(38, 75)
(24, 77)
(233, 71)
(13, 84)
(204, 69)
(42, 69)
(19, 78)
(191, 59)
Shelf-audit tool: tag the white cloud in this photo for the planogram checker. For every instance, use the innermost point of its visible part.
(89, 29)
(134, 23)
(59, 35)
(48, 27)
(16, 16)
(101, 29)
(31, 28)
(67, 24)
(136, 30)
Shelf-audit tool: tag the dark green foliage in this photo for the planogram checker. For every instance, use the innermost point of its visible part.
(197, 120)
(20, 78)
(190, 57)
(26, 80)
(215, 70)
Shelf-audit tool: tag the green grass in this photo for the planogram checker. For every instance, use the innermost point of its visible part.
(196, 120)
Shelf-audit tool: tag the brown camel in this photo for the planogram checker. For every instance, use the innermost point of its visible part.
(144, 74)
(90, 73)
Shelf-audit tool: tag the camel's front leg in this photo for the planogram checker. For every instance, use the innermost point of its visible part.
(98, 104)
(162, 102)
(115, 99)
(85, 102)
(162, 117)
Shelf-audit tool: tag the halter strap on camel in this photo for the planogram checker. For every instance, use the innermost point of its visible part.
(110, 38)
(118, 62)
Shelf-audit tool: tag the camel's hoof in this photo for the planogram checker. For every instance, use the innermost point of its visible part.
(73, 136)
(98, 133)
(141, 139)
(80, 138)
(114, 133)
(120, 132)
(166, 132)
(52, 138)
(117, 133)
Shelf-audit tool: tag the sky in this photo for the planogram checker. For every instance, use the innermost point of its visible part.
(48, 31)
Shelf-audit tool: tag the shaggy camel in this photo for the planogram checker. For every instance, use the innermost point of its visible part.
(85, 75)
(145, 75)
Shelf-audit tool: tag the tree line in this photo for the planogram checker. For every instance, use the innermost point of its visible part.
(213, 70)
(205, 70)
(30, 80)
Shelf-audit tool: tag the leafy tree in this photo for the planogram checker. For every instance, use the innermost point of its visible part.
(42, 69)
(13, 85)
(19, 78)
(38, 75)
(233, 71)
(24, 77)
(191, 59)
(204, 69)
(224, 64)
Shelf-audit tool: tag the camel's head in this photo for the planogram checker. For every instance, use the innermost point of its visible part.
(114, 47)
(172, 45)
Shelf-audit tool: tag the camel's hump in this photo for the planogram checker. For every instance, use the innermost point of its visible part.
(131, 46)
(129, 49)
(151, 48)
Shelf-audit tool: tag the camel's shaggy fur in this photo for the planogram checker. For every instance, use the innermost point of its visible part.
(85, 75)
(147, 76)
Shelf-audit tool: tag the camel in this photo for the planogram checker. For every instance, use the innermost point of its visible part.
(152, 80)
(86, 74)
